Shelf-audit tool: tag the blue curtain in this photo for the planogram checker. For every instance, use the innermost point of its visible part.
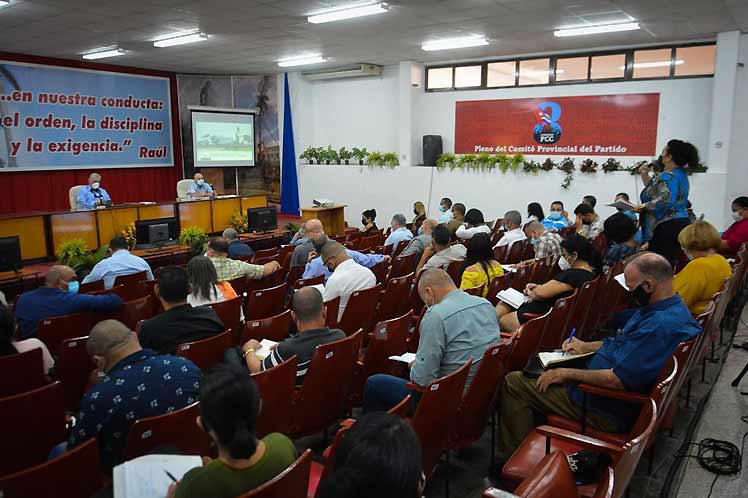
(289, 177)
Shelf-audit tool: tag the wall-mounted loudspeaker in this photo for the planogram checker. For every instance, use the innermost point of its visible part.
(432, 149)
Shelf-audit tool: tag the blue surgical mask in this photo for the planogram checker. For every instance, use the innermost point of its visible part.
(534, 241)
(73, 286)
(442, 209)
(555, 215)
(201, 182)
(420, 229)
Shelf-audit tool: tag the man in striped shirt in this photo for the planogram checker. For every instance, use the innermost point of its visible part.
(308, 311)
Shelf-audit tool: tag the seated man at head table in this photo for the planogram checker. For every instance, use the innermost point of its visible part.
(58, 297)
(630, 360)
(199, 188)
(120, 262)
(229, 269)
(93, 195)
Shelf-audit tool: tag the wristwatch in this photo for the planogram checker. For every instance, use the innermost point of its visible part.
(250, 350)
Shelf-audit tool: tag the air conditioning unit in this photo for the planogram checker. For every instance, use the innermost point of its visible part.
(355, 71)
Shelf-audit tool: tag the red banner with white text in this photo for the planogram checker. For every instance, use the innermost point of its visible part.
(609, 125)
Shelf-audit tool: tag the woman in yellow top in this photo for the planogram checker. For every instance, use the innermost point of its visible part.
(480, 267)
(704, 275)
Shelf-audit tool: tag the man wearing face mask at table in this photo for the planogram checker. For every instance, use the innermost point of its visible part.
(93, 195)
(199, 188)
(58, 297)
(630, 360)
(557, 219)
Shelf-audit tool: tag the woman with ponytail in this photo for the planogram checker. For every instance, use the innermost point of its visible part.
(479, 266)
(229, 404)
(380, 457)
(664, 208)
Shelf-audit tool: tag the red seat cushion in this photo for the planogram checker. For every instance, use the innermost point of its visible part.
(617, 438)
(315, 474)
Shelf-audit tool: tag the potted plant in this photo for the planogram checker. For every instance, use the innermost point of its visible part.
(310, 154)
(485, 161)
(375, 158)
(331, 155)
(390, 159)
(467, 161)
(129, 234)
(503, 162)
(74, 253)
(516, 162)
(531, 167)
(239, 222)
(345, 155)
(360, 154)
(195, 238)
(446, 159)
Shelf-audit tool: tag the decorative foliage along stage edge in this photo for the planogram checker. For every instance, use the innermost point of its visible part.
(322, 155)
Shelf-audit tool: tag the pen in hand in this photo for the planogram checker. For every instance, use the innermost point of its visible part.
(174, 479)
(571, 336)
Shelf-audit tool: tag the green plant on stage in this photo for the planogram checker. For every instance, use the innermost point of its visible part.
(239, 222)
(195, 238)
(291, 227)
(311, 154)
(516, 162)
(375, 158)
(467, 161)
(129, 233)
(390, 159)
(485, 161)
(345, 155)
(531, 166)
(446, 159)
(360, 154)
(611, 165)
(330, 155)
(74, 253)
(503, 162)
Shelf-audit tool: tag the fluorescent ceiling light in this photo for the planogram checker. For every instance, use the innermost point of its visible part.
(4, 3)
(103, 54)
(641, 65)
(463, 42)
(348, 12)
(171, 40)
(594, 30)
(302, 60)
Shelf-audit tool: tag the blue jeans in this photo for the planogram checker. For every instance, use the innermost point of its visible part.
(383, 391)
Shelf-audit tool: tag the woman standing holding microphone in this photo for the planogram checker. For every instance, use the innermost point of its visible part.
(665, 199)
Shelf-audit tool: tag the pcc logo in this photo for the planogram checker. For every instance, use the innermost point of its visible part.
(547, 130)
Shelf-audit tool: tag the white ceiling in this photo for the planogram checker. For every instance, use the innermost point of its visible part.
(249, 36)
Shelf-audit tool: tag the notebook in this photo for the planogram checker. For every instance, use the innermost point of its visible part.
(266, 349)
(513, 297)
(553, 359)
(146, 477)
(623, 205)
(405, 358)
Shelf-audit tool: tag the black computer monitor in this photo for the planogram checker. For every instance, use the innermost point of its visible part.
(10, 253)
(262, 219)
(160, 231)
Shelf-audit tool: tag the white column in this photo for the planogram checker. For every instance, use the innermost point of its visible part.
(723, 100)
(409, 82)
(737, 164)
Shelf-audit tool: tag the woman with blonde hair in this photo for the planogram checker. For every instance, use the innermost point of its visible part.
(420, 215)
(704, 275)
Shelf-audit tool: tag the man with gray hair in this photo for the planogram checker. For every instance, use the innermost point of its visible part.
(93, 195)
(237, 248)
(347, 275)
(420, 243)
(456, 328)
(399, 234)
(513, 230)
(631, 360)
(136, 384)
(305, 251)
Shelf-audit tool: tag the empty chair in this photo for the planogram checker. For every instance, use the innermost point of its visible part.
(131, 280)
(553, 333)
(291, 483)
(276, 328)
(229, 312)
(74, 474)
(73, 369)
(52, 331)
(21, 372)
(527, 340)
(266, 302)
(360, 312)
(402, 265)
(207, 352)
(394, 298)
(276, 386)
(582, 304)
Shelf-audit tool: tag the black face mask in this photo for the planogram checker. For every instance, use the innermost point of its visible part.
(363, 222)
(586, 222)
(415, 212)
(639, 297)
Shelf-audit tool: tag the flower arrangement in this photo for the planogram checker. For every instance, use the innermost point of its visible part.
(548, 165)
(611, 165)
(588, 166)
(239, 222)
(129, 234)
(531, 167)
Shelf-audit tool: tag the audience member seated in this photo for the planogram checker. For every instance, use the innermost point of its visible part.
(347, 275)
(588, 223)
(590, 199)
(479, 267)
(456, 328)
(237, 248)
(9, 346)
(419, 210)
(229, 269)
(557, 219)
(58, 297)
(445, 208)
(440, 254)
(513, 230)
(458, 218)
(229, 404)
(300, 236)
(418, 244)
(315, 267)
(399, 234)
(623, 196)
(136, 384)
(579, 263)
(204, 285)
(547, 244)
(368, 218)
(120, 262)
(312, 241)
(534, 212)
(380, 456)
(309, 313)
(630, 360)
(180, 322)
(706, 271)
(737, 233)
(620, 232)
(474, 223)
(93, 195)
(199, 188)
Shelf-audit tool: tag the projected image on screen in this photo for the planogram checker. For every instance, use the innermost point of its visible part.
(223, 139)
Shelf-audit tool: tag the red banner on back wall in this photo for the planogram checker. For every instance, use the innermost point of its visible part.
(609, 125)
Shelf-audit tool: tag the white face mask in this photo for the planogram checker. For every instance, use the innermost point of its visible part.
(95, 185)
(564, 264)
(736, 216)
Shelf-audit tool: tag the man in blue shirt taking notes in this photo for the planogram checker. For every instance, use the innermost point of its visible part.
(199, 187)
(93, 195)
(631, 360)
(120, 262)
(400, 233)
(58, 297)
(315, 267)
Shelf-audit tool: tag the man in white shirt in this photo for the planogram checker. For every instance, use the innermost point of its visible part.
(121, 262)
(513, 227)
(440, 254)
(445, 208)
(400, 233)
(347, 275)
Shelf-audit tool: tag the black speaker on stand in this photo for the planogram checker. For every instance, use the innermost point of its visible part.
(432, 149)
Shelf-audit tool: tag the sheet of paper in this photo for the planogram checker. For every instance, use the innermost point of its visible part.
(513, 297)
(621, 280)
(405, 357)
(319, 287)
(509, 268)
(145, 477)
(626, 206)
(266, 349)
